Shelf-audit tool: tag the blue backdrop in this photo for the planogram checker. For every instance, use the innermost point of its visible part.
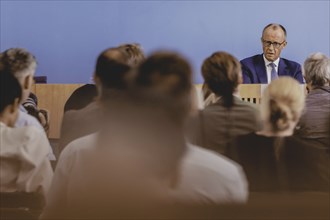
(67, 36)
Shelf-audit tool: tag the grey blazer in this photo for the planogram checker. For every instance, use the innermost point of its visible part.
(215, 126)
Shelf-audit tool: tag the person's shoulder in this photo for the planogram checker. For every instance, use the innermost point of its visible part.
(210, 160)
(27, 140)
(212, 176)
(290, 62)
(80, 145)
(24, 119)
(28, 133)
(251, 58)
(78, 148)
(81, 113)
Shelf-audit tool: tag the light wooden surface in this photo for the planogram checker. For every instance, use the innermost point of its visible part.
(250, 92)
(52, 97)
(247, 92)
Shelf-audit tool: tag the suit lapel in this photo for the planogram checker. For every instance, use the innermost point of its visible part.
(282, 68)
(261, 69)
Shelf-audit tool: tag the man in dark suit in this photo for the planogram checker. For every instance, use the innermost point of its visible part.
(263, 68)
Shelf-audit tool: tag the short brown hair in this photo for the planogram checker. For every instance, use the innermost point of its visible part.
(221, 72)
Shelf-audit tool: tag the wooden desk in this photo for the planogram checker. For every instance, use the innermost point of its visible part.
(53, 97)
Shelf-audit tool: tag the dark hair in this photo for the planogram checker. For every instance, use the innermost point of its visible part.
(165, 77)
(221, 72)
(165, 71)
(10, 89)
(274, 27)
(112, 69)
(17, 60)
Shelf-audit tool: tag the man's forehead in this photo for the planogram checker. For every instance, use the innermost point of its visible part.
(274, 32)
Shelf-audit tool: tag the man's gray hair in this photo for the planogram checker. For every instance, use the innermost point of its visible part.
(18, 61)
(317, 69)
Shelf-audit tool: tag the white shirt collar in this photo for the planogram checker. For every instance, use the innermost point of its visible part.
(267, 62)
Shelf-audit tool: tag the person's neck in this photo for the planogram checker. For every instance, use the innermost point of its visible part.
(312, 87)
(4, 120)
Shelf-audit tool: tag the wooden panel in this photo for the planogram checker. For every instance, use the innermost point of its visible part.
(53, 97)
(250, 93)
(33, 88)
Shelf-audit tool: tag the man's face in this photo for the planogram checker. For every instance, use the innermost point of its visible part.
(273, 41)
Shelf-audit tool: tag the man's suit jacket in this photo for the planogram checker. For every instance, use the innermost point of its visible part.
(254, 70)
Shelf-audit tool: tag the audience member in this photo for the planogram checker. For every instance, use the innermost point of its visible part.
(271, 158)
(22, 64)
(84, 121)
(268, 66)
(78, 123)
(86, 94)
(313, 127)
(23, 152)
(218, 123)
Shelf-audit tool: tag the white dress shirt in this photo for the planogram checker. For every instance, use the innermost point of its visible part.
(24, 119)
(24, 163)
(269, 68)
(205, 177)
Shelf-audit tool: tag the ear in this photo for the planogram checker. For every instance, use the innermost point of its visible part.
(27, 83)
(284, 44)
(309, 86)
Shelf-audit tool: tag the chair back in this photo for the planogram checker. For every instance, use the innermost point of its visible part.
(20, 205)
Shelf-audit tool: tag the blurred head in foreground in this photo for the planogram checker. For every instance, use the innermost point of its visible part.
(147, 120)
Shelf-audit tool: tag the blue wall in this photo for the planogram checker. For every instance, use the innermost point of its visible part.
(67, 36)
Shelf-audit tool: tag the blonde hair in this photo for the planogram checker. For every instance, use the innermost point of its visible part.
(282, 102)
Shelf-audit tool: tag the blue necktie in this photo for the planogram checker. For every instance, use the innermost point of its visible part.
(273, 73)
